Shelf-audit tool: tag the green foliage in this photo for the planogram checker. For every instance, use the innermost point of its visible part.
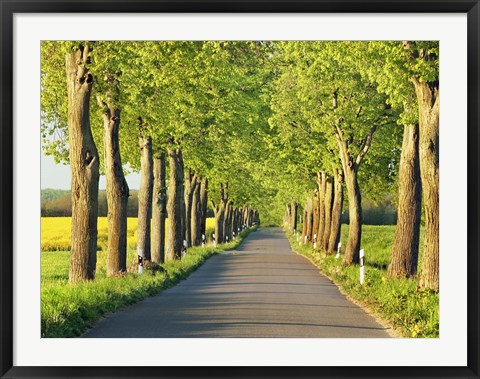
(68, 310)
(397, 302)
(262, 116)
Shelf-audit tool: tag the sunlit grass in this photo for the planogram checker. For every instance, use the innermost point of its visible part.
(68, 310)
(410, 312)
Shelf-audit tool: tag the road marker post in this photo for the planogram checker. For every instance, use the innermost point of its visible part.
(339, 248)
(184, 251)
(203, 240)
(214, 240)
(362, 267)
(140, 261)
(315, 241)
(226, 238)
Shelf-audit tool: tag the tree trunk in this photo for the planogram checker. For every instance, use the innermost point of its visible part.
(355, 216)
(324, 239)
(404, 259)
(316, 218)
(428, 112)
(175, 205)
(84, 165)
(145, 197)
(117, 194)
(322, 181)
(203, 205)
(190, 184)
(294, 208)
(309, 209)
(350, 166)
(227, 230)
(159, 208)
(220, 210)
(336, 211)
(196, 223)
(304, 223)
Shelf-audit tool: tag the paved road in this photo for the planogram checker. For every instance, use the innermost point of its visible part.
(262, 289)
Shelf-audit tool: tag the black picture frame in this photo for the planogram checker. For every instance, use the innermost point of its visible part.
(9, 8)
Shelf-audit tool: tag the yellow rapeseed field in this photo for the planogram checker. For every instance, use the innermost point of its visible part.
(56, 232)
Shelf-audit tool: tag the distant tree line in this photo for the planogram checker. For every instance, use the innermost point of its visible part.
(58, 203)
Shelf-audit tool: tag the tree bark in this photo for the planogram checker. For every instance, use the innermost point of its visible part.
(219, 210)
(227, 230)
(404, 259)
(294, 210)
(175, 205)
(322, 181)
(203, 205)
(328, 198)
(190, 183)
(350, 169)
(159, 208)
(316, 217)
(352, 250)
(196, 223)
(84, 165)
(428, 112)
(145, 196)
(117, 194)
(337, 207)
(309, 209)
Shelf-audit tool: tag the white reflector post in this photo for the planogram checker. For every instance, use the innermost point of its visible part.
(140, 260)
(362, 267)
(339, 249)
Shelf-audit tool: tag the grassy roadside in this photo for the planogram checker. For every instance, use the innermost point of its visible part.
(397, 302)
(69, 310)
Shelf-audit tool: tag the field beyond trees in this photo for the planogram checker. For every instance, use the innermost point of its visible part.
(56, 233)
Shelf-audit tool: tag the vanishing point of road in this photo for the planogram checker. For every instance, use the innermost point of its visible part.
(262, 289)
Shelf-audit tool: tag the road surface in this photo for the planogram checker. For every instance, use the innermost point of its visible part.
(262, 289)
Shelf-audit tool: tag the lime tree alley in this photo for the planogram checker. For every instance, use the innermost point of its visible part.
(277, 129)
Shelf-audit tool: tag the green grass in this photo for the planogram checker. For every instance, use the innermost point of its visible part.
(69, 310)
(397, 302)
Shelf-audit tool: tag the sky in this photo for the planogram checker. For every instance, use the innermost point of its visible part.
(57, 176)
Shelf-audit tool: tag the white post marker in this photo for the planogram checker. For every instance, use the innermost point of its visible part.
(227, 238)
(305, 239)
(362, 267)
(184, 252)
(339, 248)
(203, 240)
(214, 240)
(140, 261)
(315, 241)
(233, 235)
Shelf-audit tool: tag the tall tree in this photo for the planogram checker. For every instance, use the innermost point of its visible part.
(117, 187)
(84, 165)
(145, 193)
(159, 208)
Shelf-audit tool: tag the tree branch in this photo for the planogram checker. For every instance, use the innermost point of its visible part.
(367, 142)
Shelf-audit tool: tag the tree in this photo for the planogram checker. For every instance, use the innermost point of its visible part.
(84, 163)
(159, 208)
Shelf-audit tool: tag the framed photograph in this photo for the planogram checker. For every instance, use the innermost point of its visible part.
(452, 28)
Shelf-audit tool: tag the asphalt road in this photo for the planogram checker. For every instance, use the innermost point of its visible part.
(262, 289)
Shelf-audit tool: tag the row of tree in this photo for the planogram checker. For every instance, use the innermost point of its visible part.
(349, 98)
(176, 99)
(267, 123)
